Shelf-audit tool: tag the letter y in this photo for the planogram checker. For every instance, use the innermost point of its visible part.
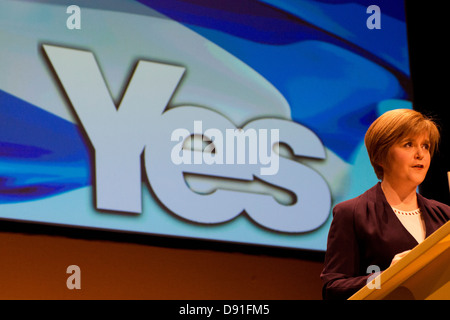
(118, 135)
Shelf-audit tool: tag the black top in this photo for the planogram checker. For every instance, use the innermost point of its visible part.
(365, 231)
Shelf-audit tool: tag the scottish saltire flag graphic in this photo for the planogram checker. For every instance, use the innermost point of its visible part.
(313, 64)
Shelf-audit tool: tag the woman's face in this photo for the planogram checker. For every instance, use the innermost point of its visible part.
(408, 161)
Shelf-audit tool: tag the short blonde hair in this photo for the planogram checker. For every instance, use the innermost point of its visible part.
(393, 126)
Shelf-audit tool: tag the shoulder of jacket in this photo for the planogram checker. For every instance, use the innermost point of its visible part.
(436, 204)
(349, 207)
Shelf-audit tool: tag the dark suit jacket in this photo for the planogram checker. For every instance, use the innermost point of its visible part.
(365, 231)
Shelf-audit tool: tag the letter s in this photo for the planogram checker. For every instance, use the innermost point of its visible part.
(313, 204)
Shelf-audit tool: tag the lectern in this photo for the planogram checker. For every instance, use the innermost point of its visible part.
(423, 274)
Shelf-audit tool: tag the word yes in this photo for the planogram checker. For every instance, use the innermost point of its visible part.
(141, 125)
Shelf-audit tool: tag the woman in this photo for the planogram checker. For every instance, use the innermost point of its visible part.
(383, 224)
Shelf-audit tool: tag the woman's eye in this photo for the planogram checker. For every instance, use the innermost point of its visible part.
(408, 144)
(426, 146)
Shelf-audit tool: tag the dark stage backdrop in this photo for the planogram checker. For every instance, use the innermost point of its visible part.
(428, 49)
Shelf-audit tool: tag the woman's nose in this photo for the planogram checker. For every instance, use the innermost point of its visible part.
(419, 153)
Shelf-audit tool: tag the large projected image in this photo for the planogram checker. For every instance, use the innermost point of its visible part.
(237, 121)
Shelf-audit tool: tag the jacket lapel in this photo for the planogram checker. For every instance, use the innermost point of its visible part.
(391, 222)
